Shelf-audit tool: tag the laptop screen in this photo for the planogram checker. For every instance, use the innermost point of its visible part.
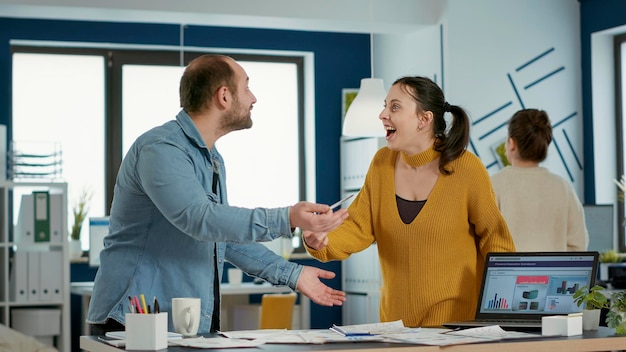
(534, 284)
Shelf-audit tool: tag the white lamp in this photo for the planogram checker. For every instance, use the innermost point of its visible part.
(362, 116)
(361, 119)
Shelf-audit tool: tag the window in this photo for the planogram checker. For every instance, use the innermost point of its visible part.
(620, 123)
(96, 102)
(60, 99)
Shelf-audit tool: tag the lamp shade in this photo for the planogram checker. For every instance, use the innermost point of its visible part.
(362, 116)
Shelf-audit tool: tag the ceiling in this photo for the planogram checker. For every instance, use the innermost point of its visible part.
(357, 16)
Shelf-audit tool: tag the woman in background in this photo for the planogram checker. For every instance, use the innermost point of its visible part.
(540, 207)
(429, 206)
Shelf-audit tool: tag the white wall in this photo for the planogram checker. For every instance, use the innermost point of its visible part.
(485, 45)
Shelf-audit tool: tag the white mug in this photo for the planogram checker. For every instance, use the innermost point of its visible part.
(186, 315)
(235, 276)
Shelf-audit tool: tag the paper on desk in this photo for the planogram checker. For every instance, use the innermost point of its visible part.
(375, 328)
(446, 337)
(215, 342)
(310, 336)
(494, 332)
(122, 335)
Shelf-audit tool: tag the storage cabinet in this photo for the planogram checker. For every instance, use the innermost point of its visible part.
(361, 278)
(34, 263)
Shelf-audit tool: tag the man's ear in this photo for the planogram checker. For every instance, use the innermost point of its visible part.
(222, 97)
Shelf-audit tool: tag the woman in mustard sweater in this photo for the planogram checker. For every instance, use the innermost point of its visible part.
(429, 206)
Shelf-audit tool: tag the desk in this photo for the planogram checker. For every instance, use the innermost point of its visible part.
(231, 295)
(601, 340)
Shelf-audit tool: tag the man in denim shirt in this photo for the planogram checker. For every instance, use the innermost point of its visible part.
(171, 227)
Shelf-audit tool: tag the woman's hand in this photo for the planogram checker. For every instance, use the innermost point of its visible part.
(315, 240)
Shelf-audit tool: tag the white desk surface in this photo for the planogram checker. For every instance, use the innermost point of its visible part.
(603, 339)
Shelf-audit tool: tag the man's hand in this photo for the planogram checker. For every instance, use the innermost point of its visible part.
(309, 284)
(315, 240)
(315, 217)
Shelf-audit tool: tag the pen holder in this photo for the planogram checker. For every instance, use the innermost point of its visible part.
(146, 332)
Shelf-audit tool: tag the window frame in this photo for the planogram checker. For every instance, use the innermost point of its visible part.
(115, 58)
(618, 40)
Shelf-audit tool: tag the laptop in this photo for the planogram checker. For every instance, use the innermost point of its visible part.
(519, 288)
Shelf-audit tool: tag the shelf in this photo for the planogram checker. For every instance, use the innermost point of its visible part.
(361, 278)
(48, 255)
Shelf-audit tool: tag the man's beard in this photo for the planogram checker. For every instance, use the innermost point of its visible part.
(238, 118)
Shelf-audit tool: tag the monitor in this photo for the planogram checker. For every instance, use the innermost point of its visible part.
(98, 228)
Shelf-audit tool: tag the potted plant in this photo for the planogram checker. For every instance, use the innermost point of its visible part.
(593, 300)
(80, 210)
(615, 317)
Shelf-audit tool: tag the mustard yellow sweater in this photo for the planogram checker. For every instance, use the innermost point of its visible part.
(432, 267)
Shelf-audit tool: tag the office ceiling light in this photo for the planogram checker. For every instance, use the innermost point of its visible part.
(361, 119)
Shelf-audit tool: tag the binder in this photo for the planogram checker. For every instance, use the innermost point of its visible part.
(42, 216)
(33, 276)
(56, 277)
(24, 230)
(56, 218)
(18, 281)
(50, 267)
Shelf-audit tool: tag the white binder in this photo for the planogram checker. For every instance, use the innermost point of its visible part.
(19, 277)
(50, 266)
(33, 276)
(56, 218)
(25, 227)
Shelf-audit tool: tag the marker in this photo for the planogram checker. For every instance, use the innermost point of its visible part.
(137, 305)
(143, 304)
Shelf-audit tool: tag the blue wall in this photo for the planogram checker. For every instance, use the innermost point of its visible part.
(595, 15)
(341, 60)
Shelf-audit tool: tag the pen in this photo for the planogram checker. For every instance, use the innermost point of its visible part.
(143, 304)
(157, 308)
(451, 331)
(341, 201)
(338, 203)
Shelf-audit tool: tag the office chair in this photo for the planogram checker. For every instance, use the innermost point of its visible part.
(277, 310)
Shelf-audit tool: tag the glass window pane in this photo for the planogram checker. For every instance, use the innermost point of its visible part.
(60, 98)
(149, 99)
(262, 162)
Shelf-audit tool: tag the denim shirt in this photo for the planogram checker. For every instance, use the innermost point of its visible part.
(167, 224)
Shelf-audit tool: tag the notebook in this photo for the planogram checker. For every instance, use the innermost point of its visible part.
(519, 288)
